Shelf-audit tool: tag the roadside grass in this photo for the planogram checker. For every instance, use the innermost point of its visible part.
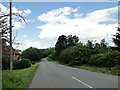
(52, 60)
(19, 79)
(112, 70)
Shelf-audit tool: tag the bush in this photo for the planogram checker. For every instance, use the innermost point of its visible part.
(24, 63)
(47, 52)
(107, 59)
(5, 62)
(16, 64)
(76, 55)
(96, 60)
(33, 54)
(33, 62)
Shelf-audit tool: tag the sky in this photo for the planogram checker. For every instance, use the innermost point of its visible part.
(46, 21)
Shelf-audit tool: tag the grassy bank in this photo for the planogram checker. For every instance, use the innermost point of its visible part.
(112, 71)
(19, 79)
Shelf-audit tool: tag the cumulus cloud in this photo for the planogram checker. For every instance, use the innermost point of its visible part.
(77, 15)
(35, 44)
(27, 12)
(57, 16)
(93, 26)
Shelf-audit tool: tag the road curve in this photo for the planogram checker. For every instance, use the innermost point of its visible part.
(54, 75)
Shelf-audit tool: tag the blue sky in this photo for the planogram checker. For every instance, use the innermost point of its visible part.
(46, 23)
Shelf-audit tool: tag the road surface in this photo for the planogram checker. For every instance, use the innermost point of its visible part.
(53, 75)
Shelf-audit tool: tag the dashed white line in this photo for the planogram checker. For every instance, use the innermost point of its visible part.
(82, 82)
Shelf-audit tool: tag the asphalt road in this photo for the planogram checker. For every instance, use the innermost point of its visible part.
(53, 75)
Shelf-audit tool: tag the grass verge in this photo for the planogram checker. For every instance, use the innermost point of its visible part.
(19, 79)
(52, 60)
(112, 71)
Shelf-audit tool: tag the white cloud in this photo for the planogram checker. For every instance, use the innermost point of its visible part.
(3, 9)
(27, 12)
(17, 25)
(57, 22)
(77, 15)
(75, 10)
(24, 36)
(16, 10)
(35, 44)
(57, 16)
(30, 20)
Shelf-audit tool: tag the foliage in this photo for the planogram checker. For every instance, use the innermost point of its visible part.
(64, 42)
(68, 56)
(33, 54)
(61, 44)
(76, 55)
(46, 52)
(107, 59)
(24, 63)
(16, 63)
(5, 62)
(116, 39)
(89, 44)
(97, 54)
(33, 62)
(72, 40)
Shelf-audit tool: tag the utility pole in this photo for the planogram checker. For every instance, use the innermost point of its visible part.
(11, 61)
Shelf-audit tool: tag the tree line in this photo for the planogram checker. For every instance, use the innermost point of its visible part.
(69, 51)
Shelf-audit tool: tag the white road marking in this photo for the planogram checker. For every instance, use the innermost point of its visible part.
(82, 82)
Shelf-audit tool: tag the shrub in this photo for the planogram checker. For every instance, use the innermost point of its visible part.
(33, 62)
(33, 54)
(96, 60)
(47, 52)
(76, 55)
(16, 64)
(111, 58)
(5, 62)
(107, 59)
(24, 63)
(70, 56)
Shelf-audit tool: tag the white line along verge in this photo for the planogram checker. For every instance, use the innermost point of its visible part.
(82, 82)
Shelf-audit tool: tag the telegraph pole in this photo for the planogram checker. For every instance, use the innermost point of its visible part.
(11, 61)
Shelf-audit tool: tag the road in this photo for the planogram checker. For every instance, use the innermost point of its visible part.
(54, 75)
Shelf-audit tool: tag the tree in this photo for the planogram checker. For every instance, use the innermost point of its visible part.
(33, 54)
(103, 44)
(65, 41)
(116, 39)
(89, 44)
(61, 44)
(5, 25)
(72, 40)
